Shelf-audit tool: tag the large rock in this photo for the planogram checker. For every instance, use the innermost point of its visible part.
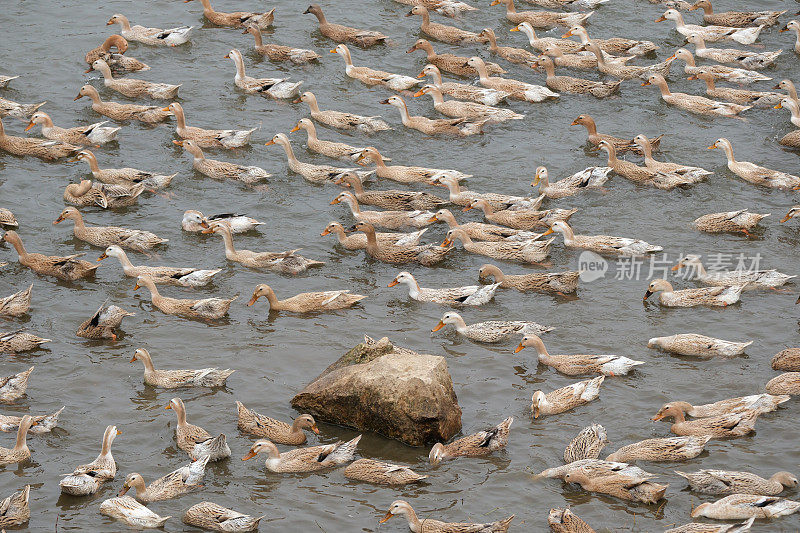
(393, 391)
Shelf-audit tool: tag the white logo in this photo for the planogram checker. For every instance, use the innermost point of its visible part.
(591, 266)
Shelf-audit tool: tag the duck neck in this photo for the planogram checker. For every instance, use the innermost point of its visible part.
(180, 412)
(449, 219)
(79, 225)
(710, 85)
(154, 294)
(289, 153)
(93, 166)
(414, 523)
(227, 238)
(612, 156)
(353, 203)
(460, 325)
(348, 60)
(569, 235)
(510, 7)
(729, 152)
(320, 17)
(124, 261)
(313, 106)
(405, 118)
(678, 416)
(311, 131)
(256, 33)
(437, 78)
(296, 426)
(240, 74)
(492, 41)
(483, 74)
(148, 364)
(664, 88)
(180, 120)
(426, 19)
(541, 351)
(379, 162)
(689, 58)
(340, 234)
(95, 97)
(19, 247)
(549, 69)
(356, 184)
(648, 153)
(679, 21)
(531, 33)
(372, 240)
(22, 438)
(591, 127)
(438, 99)
(429, 52)
(494, 271)
(274, 303)
(701, 270)
(207, 9)
(488, 210)
(413, 288)
(105, 448)
(105, 70)
(707, 8)
(465, 239)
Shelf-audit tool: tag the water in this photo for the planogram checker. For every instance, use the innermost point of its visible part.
(275, 356)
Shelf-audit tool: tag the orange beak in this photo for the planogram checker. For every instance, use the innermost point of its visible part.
(693, 8)
(334, 52)
(646, 83)
(514, 29)
(123, 490)
(79, 96)
(433, 219)
(519, 348)
(420, 75)
(467, 208)
(574, 123)
(136, 288)
(677, 267)
(657, 417)
(548, 232)
(325, 232)
(226, 56)
(133, 358)
(167, 108)
(386, 517)
(393, 283)
(208, 230)
(204, 224)
(690, 78)
(294, 129)
(783, 30)
(252, 300)
(297, 100)
(446, 243)
(59, 219)
(249, 456)
(419, 93)
(169, 406)
(784, 219)
(662, 18)
(270, 143)
(315, 429)
(779, 106)
(568, 34)
(439, 326)
(712, 147)
(29, 126)
(109, 23)
(179, 143)
(102, 257)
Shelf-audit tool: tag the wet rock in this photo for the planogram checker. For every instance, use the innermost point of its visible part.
(393, 391)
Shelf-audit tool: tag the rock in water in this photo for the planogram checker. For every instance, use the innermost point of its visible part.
(393, 391)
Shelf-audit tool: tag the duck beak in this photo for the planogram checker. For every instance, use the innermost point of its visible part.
(315, 429)
(249, 456)
(662, 18)
(779, 106)
(294, 129)
(386, 517)
(384, 101)
(179, 143)
(207, 231)
(59, 219)
(102, 257)
(690, 78)
(252, 300)
(713, 146)
(411, 49)
(536, 411)
(297, 100)
(519, 348)
(77, 97)
(123, 490)
(269, 143)
(439, 326)
(29, 126)
(433, 219)
(646, 83)
(226, 56)
(334, 52)
(657, 417)
(136, 288)
(393, 283)
(467, 208)
(421, 92)
(677, 267)
(568, 34)
(420, 75)
(335, 201)
(784, 219)
(410, 14)
(204, 224)
(446, 243)
(548, 232)
(514, 29)
(574, 123)
(494, 3)
(325, 232)
(166, 108)
(648, 293)
(783, 30)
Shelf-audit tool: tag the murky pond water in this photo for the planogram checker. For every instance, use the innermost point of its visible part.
(275, 356)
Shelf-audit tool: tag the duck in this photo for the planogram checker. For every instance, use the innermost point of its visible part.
(753, 173)
(443, 32)
(20, 453)
(702, 527)
(277, 52)
(86, 194)
(737, 96)
(4, 81)
(736, 19)
(451, 62)
(589, 178)
(794, 25)
(469, 110)
(172, 379)
(531, 251)
(117, 61)
(403, 174)
(306, 302)
(429, 525)
(381, 473)
(145, 113)
(237, 19)
(103, 323)
(208, 138)
(475, 445)
(566, 398)
(335, 150)
(392, 199)
(42, 148)
(205, 309)
(10, 108)
(370, 76)
(133, 513)
(764, 403)
(464, 197)
(196, 441)
(626, 72)
(134, 88)
(480, 231)
(209, 515)
(765, 279)
(657, 450)
(539, 43)
(726, 425)
(523, 219)
(518, 90)
(20, 341)
(273, 87)
(176, 483)
(614, 45)
(452, 126)
(152, 36)
(698, 345)
(462, 91)
(16, 509)
(93, 134)
(425, 255)
(492, 331)
(620, 145)
(745, 58)
(137, 240)
(550, 282)
(594, 468)
(309, 171)
(575, 365)
(741, 506)
(254, 423)
(693, 103)
(788, 359)
(184, 277)
(309, 459)
(287, 262)
(339, 120)
(68, 268)
(587, 444)
(708, 296)
(469, 295)
(447, 8)
(625, 487)
(130, 177)
(787, 383)
(514, 55)
(386, 219)
(44, 423)
(734, 75)
(565, 521)
(725, 482)
(729, 222)
(569, 84)
(712, 33)
(541, 19)
(358, 241)
(793, 106)
(694, 174)
(603, 244)
(87, 479)
(221, 170)
(17, 304)
(7, 218)
(587, 61)
(13, 387)
(345, 34)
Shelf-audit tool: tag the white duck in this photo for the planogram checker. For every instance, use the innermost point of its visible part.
(471, 295)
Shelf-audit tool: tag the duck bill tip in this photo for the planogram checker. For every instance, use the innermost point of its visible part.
(519, 348)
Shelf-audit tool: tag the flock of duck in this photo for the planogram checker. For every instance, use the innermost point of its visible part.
(514, 231)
